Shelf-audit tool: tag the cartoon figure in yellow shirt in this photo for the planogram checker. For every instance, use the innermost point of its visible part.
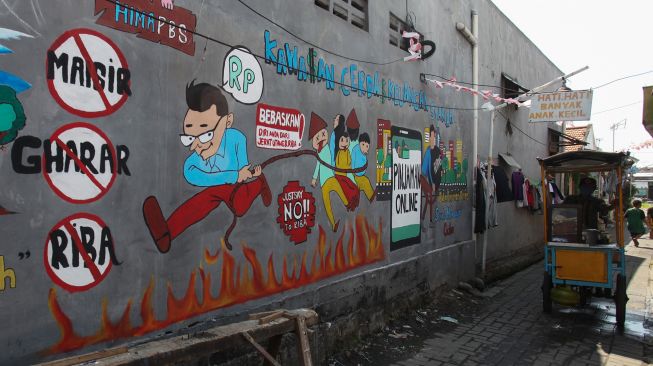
(317, 133)
(343, 161)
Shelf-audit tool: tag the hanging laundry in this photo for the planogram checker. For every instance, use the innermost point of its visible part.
(530, 195)
(517, 185)
(538, 199)
(611, 183)
(491, 201)
(526, 187)
(504, 194)
(518, 188)
(554, 193)
(480, 223)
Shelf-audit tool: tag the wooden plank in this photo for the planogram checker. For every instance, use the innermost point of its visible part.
(290, 315)
(256, 316)
(186, 348)
(303, 345)
(260, 349)
(74, 360)
(268, 318)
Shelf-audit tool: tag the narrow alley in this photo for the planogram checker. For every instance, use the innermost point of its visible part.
(506, 326)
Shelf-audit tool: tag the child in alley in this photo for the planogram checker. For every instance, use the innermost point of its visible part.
(636, 218)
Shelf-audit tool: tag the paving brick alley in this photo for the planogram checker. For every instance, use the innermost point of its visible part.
(507, 327)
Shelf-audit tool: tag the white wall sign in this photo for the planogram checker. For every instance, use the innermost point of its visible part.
(561, 106)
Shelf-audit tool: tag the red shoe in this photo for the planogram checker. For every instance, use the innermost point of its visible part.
(157, 224)
(266, 194)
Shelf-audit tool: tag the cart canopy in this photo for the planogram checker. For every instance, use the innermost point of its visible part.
(585, 161)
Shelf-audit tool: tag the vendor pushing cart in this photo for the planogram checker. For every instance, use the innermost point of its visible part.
(580, 254)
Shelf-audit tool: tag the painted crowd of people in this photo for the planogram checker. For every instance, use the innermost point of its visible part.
(345, 150)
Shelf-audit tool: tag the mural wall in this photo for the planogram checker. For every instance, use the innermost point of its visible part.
(165, 163)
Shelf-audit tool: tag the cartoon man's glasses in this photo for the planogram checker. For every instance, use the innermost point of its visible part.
(187, 140)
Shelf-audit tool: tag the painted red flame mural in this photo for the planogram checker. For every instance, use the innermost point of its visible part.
(359, 244)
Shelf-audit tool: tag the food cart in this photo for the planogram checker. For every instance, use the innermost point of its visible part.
(578, 260)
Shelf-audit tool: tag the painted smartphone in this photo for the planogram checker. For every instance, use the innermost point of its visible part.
(405, 223)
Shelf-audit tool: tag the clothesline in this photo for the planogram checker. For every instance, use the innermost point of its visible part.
(496, 188)
(485, 94)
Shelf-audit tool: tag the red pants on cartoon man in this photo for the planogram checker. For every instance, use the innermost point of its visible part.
(218, 162)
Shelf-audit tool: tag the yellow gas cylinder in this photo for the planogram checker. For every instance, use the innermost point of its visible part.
(564, 295)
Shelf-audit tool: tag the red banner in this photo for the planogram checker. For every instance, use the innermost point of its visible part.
(150, 20)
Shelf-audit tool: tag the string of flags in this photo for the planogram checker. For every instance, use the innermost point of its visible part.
(643, 145)
(487, 95)
(416, 48)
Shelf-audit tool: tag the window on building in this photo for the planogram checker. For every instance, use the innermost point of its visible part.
(351, 11)
(510, 88)
(397, 27)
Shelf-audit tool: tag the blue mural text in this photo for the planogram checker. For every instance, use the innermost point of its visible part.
(353, 80)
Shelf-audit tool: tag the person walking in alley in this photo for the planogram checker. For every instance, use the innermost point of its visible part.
(635, 218)
(649, 222)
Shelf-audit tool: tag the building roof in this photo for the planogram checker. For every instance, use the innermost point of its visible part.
(585, 161)
(579, 133)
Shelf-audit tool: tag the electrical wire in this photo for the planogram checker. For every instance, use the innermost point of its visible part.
(316, 46)
(308, 73)
(410, 23)
(622, 78)
(615, 108)
(520, 130)
(519, 90)
(401, 59)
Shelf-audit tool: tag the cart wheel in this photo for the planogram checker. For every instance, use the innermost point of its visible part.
(620, 300)
(547, 285)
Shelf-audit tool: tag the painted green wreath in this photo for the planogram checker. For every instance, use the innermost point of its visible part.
(12, 115)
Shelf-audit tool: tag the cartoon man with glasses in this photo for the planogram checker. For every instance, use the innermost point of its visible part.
(218, 162)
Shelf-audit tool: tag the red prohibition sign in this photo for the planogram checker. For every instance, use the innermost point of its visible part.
(87, 267)
(88, 187)
(85, 39)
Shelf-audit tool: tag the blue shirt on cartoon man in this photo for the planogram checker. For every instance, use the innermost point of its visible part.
(221, 168)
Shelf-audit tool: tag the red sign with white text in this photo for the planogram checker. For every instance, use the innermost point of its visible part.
(279, 128)
(149, 19)
(296, 211)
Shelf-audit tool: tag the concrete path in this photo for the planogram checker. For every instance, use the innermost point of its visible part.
(510, 328)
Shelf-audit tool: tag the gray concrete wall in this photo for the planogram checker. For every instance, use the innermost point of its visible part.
(146, 293)
(504, 48)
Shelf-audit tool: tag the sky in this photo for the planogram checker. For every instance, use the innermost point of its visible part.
(614, 40)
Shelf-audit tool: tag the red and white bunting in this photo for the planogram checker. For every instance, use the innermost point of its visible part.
(642, 145)
(486, 94)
